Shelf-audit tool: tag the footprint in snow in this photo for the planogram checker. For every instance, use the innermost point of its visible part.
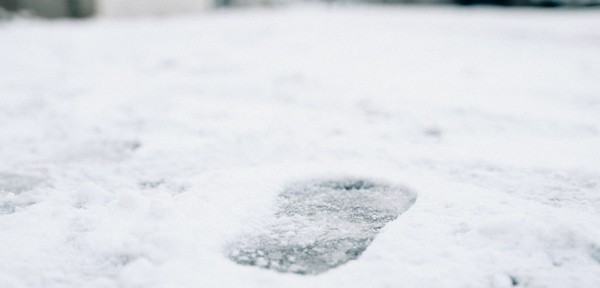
(320, 225)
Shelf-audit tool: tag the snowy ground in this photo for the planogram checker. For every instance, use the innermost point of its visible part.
(134, 152)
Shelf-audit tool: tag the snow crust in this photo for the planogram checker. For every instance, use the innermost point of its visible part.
(133, 152)
(322, 224)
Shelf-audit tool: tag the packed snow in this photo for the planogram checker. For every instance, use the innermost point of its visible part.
(322, 224)
(137, 152)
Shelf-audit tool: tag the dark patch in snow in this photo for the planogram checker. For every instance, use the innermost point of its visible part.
(434, 132)
(7, 208)
(513, 280)
(165, 185)
(322, 224)
(149, 184)
(11, 188)
(595, 253)
(132, 145)
(373, 111)
(104, 149)
(13, 183)
(122, 259)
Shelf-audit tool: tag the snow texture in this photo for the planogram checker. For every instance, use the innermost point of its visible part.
(140, 152)
(323, 224)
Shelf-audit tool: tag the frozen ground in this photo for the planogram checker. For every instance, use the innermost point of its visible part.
(136, 153)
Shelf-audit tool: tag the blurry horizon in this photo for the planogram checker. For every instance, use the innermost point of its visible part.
(128, 8)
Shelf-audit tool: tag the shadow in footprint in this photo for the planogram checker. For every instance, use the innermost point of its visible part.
(320, 225)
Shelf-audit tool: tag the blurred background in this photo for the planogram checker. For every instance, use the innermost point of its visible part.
(91, 8)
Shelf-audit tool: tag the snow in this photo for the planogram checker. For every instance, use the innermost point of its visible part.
(136, 151)
(321, 224)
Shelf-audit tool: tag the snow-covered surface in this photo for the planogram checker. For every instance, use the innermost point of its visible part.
(322, 224)
(133, 152)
